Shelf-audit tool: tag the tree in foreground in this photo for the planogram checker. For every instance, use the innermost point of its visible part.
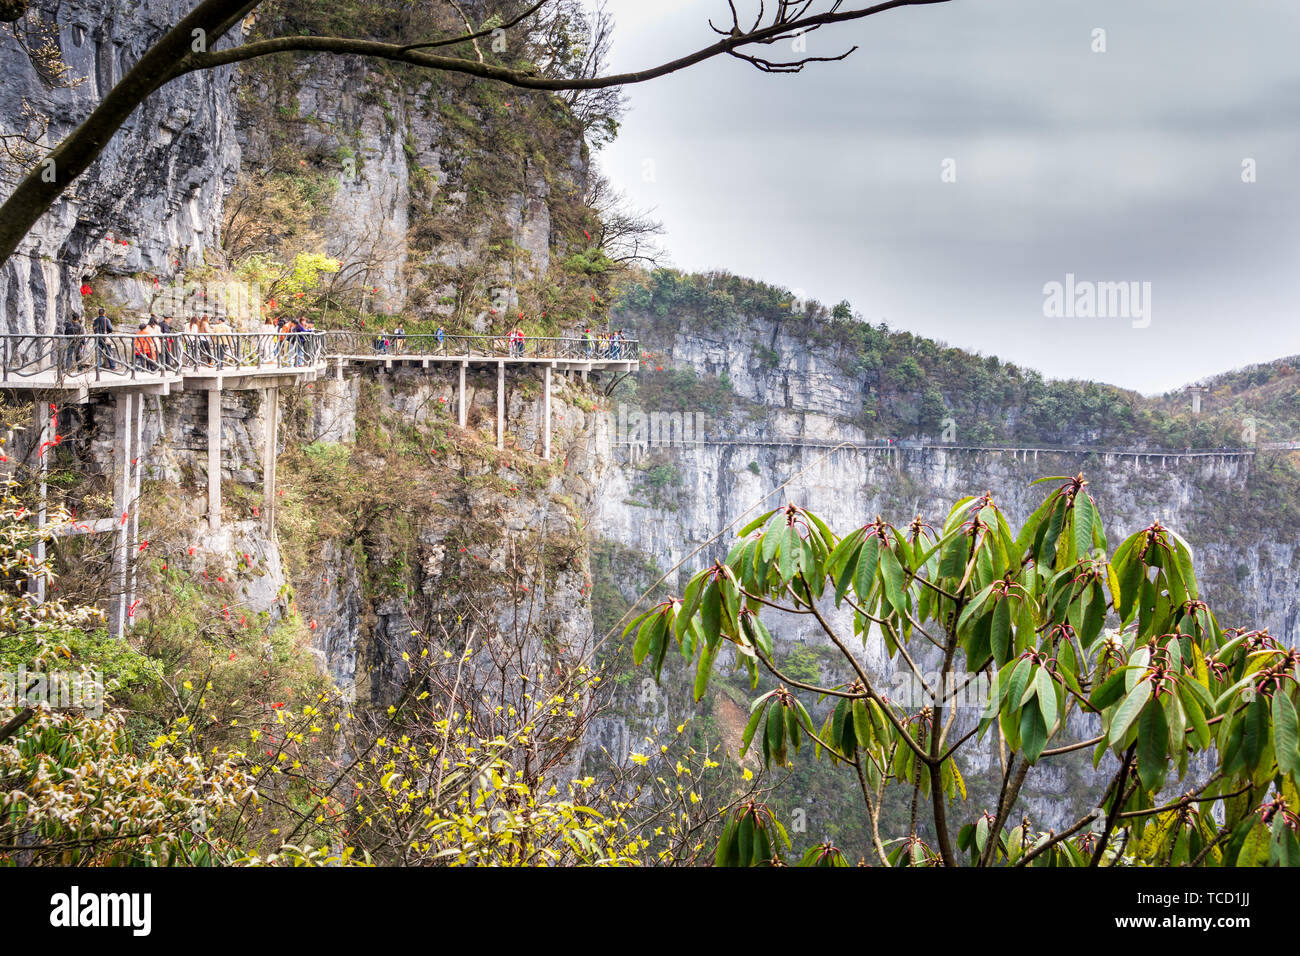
(188, 759)
(1196, 724)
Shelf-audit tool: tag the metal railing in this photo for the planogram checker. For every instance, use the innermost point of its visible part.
(217, 351)
(387, 344)
(59, 359)
(91, 357)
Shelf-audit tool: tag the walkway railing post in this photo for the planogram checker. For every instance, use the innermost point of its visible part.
(135, 465)
(462, 413)
(36, 582)
(122, 507)
(214, 459)
(271, 408)
(501, 406)
(546, 414)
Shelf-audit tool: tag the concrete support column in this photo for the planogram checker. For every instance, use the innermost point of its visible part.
(462, 412)
(214, 459)
(135, 465)
(271, 408)
(546, 415)
(501, 405)
(41, 428)
(121, 511)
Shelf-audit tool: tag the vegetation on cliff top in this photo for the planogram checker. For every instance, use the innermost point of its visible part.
(913, 386)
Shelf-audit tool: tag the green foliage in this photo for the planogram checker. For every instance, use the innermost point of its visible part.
(1027, 610)
(910, 384)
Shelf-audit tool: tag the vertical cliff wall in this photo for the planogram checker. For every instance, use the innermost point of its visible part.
(782, 386)
(151, 205)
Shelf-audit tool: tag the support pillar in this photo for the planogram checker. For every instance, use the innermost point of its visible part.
(501, 405)
(36, 582)
(214, 460)
(271, 408)
(546, 415)
(121, 511)
(462, 413)
(135, 465)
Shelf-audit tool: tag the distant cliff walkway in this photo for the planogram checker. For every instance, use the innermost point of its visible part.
(1022, 452)
(70, 369)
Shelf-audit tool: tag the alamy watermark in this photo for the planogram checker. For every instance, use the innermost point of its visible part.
(1084, 299)
(59, 690)
(641, 430)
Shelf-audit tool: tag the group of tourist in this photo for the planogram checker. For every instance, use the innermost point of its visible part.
(515, 340)
(158, 343)
(609, 344)
(395, 341)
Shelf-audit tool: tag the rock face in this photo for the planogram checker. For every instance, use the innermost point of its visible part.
(152, 203)
(805, 395)
(417, 188)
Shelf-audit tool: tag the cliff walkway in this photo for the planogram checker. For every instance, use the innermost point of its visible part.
(71, 368)
(1023, 452)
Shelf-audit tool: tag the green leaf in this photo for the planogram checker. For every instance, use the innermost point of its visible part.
(756, 523)
(868, 562)
(690, 602)
(1110, 691)
(1152, 747)
(1128, 712)
(1084, 517)
(776, 733)
(861, 723)
(1286, 733)
(711, 611)
(1033, 733)
(1254, 731)
(752, 726)
(704, 670)
(649, 638)
(952, 563)
(895, 579)
(1046, 691)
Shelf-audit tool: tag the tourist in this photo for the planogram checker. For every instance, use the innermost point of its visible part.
(145, 349)
(206, 351)
(102, 326)
(587, 341)
(439, 337)
(168, 343)
(399, 339)
(221, 332)
(159, 343)
(72, 344)
(286, 341)
(299, 341)
(266, 341)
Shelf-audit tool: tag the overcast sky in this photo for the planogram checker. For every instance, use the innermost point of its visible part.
(1122, 166)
